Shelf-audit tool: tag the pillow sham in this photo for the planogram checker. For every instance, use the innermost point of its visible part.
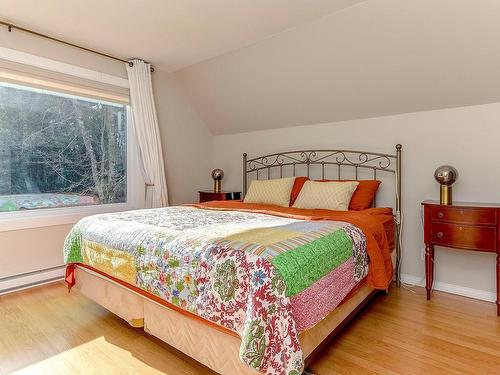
(297, 186)
(364, 194)
(331, 195)
(276, 191)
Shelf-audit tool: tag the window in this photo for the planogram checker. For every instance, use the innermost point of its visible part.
(60, 150)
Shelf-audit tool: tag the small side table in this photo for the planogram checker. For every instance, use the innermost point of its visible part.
(469, 226)
(210, 195)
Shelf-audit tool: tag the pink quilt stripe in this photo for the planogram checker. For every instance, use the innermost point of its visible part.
(314, 303)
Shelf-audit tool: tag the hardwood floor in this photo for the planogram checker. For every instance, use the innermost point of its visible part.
(45, 330)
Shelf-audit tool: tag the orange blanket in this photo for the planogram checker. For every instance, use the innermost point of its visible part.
(376, 223)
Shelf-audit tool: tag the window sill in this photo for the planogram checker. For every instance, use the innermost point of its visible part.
(46, 217)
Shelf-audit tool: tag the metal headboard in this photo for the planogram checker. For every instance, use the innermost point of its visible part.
(356, 161)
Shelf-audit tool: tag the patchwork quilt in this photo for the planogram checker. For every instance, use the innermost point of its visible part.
(262, 276)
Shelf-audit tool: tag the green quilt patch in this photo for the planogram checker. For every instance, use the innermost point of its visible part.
(308, 263)
(73, 247)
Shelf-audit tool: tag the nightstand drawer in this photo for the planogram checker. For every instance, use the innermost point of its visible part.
(464, 236)
(206, 196)
(464, 215)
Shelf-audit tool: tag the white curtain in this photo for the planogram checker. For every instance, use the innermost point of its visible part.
(145, 122)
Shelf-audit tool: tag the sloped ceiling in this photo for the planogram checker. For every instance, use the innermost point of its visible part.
(170, 33)
(376, 58)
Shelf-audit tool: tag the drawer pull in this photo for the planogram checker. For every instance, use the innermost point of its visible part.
(440, 234)
(440, 215)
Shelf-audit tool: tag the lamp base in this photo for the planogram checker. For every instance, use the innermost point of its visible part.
(217, 186)
(445, 195)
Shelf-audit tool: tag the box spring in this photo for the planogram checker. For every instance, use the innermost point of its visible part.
(207, 345)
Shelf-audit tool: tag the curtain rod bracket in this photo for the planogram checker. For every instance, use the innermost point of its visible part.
(9, 28)
(131, 64)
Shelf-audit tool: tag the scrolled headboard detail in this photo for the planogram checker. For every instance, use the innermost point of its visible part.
(339, 160)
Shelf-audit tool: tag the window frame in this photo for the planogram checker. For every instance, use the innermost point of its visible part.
(45, 217)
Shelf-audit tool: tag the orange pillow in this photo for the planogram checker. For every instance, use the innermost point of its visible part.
(364, 194)
(297, 187)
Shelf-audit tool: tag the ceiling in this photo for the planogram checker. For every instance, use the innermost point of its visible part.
(380, 57)
(261, 64)
(172, 34)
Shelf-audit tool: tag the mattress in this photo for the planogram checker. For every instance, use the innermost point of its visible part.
(264, 277)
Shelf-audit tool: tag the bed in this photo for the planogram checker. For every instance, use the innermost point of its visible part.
(244, 287)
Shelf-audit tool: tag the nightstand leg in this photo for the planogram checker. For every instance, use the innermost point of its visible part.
(498, 284)
(429, 269)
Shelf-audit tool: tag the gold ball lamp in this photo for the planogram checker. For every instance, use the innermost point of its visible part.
(217, 175)
(446, 175)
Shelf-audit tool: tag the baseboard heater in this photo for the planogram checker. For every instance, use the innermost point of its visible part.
(29, 279)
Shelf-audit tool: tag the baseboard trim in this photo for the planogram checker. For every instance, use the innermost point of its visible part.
(451, 288)
(28, 280)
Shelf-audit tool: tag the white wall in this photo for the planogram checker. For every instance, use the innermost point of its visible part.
(187, 142)
(466, 138)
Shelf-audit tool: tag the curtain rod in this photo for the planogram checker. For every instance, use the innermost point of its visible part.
(11, 26)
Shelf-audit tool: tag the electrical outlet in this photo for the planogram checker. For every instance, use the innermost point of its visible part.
(422, 253)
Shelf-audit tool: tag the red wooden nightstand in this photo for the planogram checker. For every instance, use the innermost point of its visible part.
(470, 226)
(210, 195)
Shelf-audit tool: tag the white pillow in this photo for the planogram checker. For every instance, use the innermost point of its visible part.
(275, 191)
(328, 195)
